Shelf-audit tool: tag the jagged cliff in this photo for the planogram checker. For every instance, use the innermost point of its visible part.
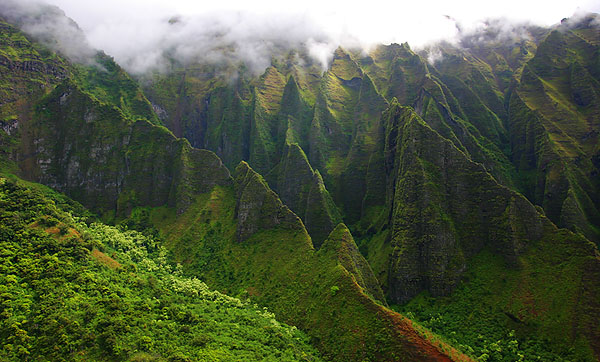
(473, 96)
(555, 114)
(428, 190)
(436, 168)
(90, 151)
(66, 129)
(244, 240)
(445, 209)
(113, 162)
(302, 189)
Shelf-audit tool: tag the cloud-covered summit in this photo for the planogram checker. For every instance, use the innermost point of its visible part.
(49, 25)
(149, 35)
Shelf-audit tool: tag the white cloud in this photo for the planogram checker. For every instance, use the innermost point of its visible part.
(137, 32)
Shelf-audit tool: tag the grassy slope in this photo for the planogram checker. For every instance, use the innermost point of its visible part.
(279, 268)
(77, 291)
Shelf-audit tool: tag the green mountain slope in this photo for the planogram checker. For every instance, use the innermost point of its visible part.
(244, 241)
(472, 96)
(302, 189)
(453, 177)
(447, 210)
(556, 109)
(109, 162)
(30, 69)
(92, 150)
(83, 292)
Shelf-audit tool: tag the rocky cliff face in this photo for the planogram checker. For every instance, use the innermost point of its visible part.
(91, 134)
(444, 209)
(554, 113)
(302, 190)
(480, 97)
(263, 249)
(93, 153)
(450, 170)
(341, 245)
(26, 74)
(258, 208)
(255, 120)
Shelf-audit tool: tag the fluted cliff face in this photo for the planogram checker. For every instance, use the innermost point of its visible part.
(64, 128)
(340, 244)
(481, 97)
(258, 208)
(242, 238)
(434, 166)
(444, 208)
(302, 190)
(93, 153)
(555, 115)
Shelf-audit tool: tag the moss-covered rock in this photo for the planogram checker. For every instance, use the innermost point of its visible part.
(294, 116)
(91, 151)
(559, 92)
(27, 72)
(303, 191)
(446, 209)
(258, 208)
(341, 244)
(440, 205)
(325, 293)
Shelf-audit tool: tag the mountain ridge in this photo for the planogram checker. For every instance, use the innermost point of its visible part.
(427, 163)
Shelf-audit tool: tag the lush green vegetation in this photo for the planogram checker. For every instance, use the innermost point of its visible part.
(110, 84)
(429, 189)
(475, 320)
(324, 292)
(72, 289)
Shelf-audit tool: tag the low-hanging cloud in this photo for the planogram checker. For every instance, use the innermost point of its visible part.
(502, 32)
(214, 38)
(151, 42)
(148, 35)
(49, 25)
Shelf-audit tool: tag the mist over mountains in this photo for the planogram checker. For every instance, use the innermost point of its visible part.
(148, 38)
(350, 195)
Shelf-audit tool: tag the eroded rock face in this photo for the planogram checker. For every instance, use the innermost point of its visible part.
(341, 243)
(26, 76)
(258, 207)
(91, 152)
(554, 130)
(301, 188)
(445, 208)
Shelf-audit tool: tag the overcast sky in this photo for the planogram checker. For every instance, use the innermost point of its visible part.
(134, 30)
